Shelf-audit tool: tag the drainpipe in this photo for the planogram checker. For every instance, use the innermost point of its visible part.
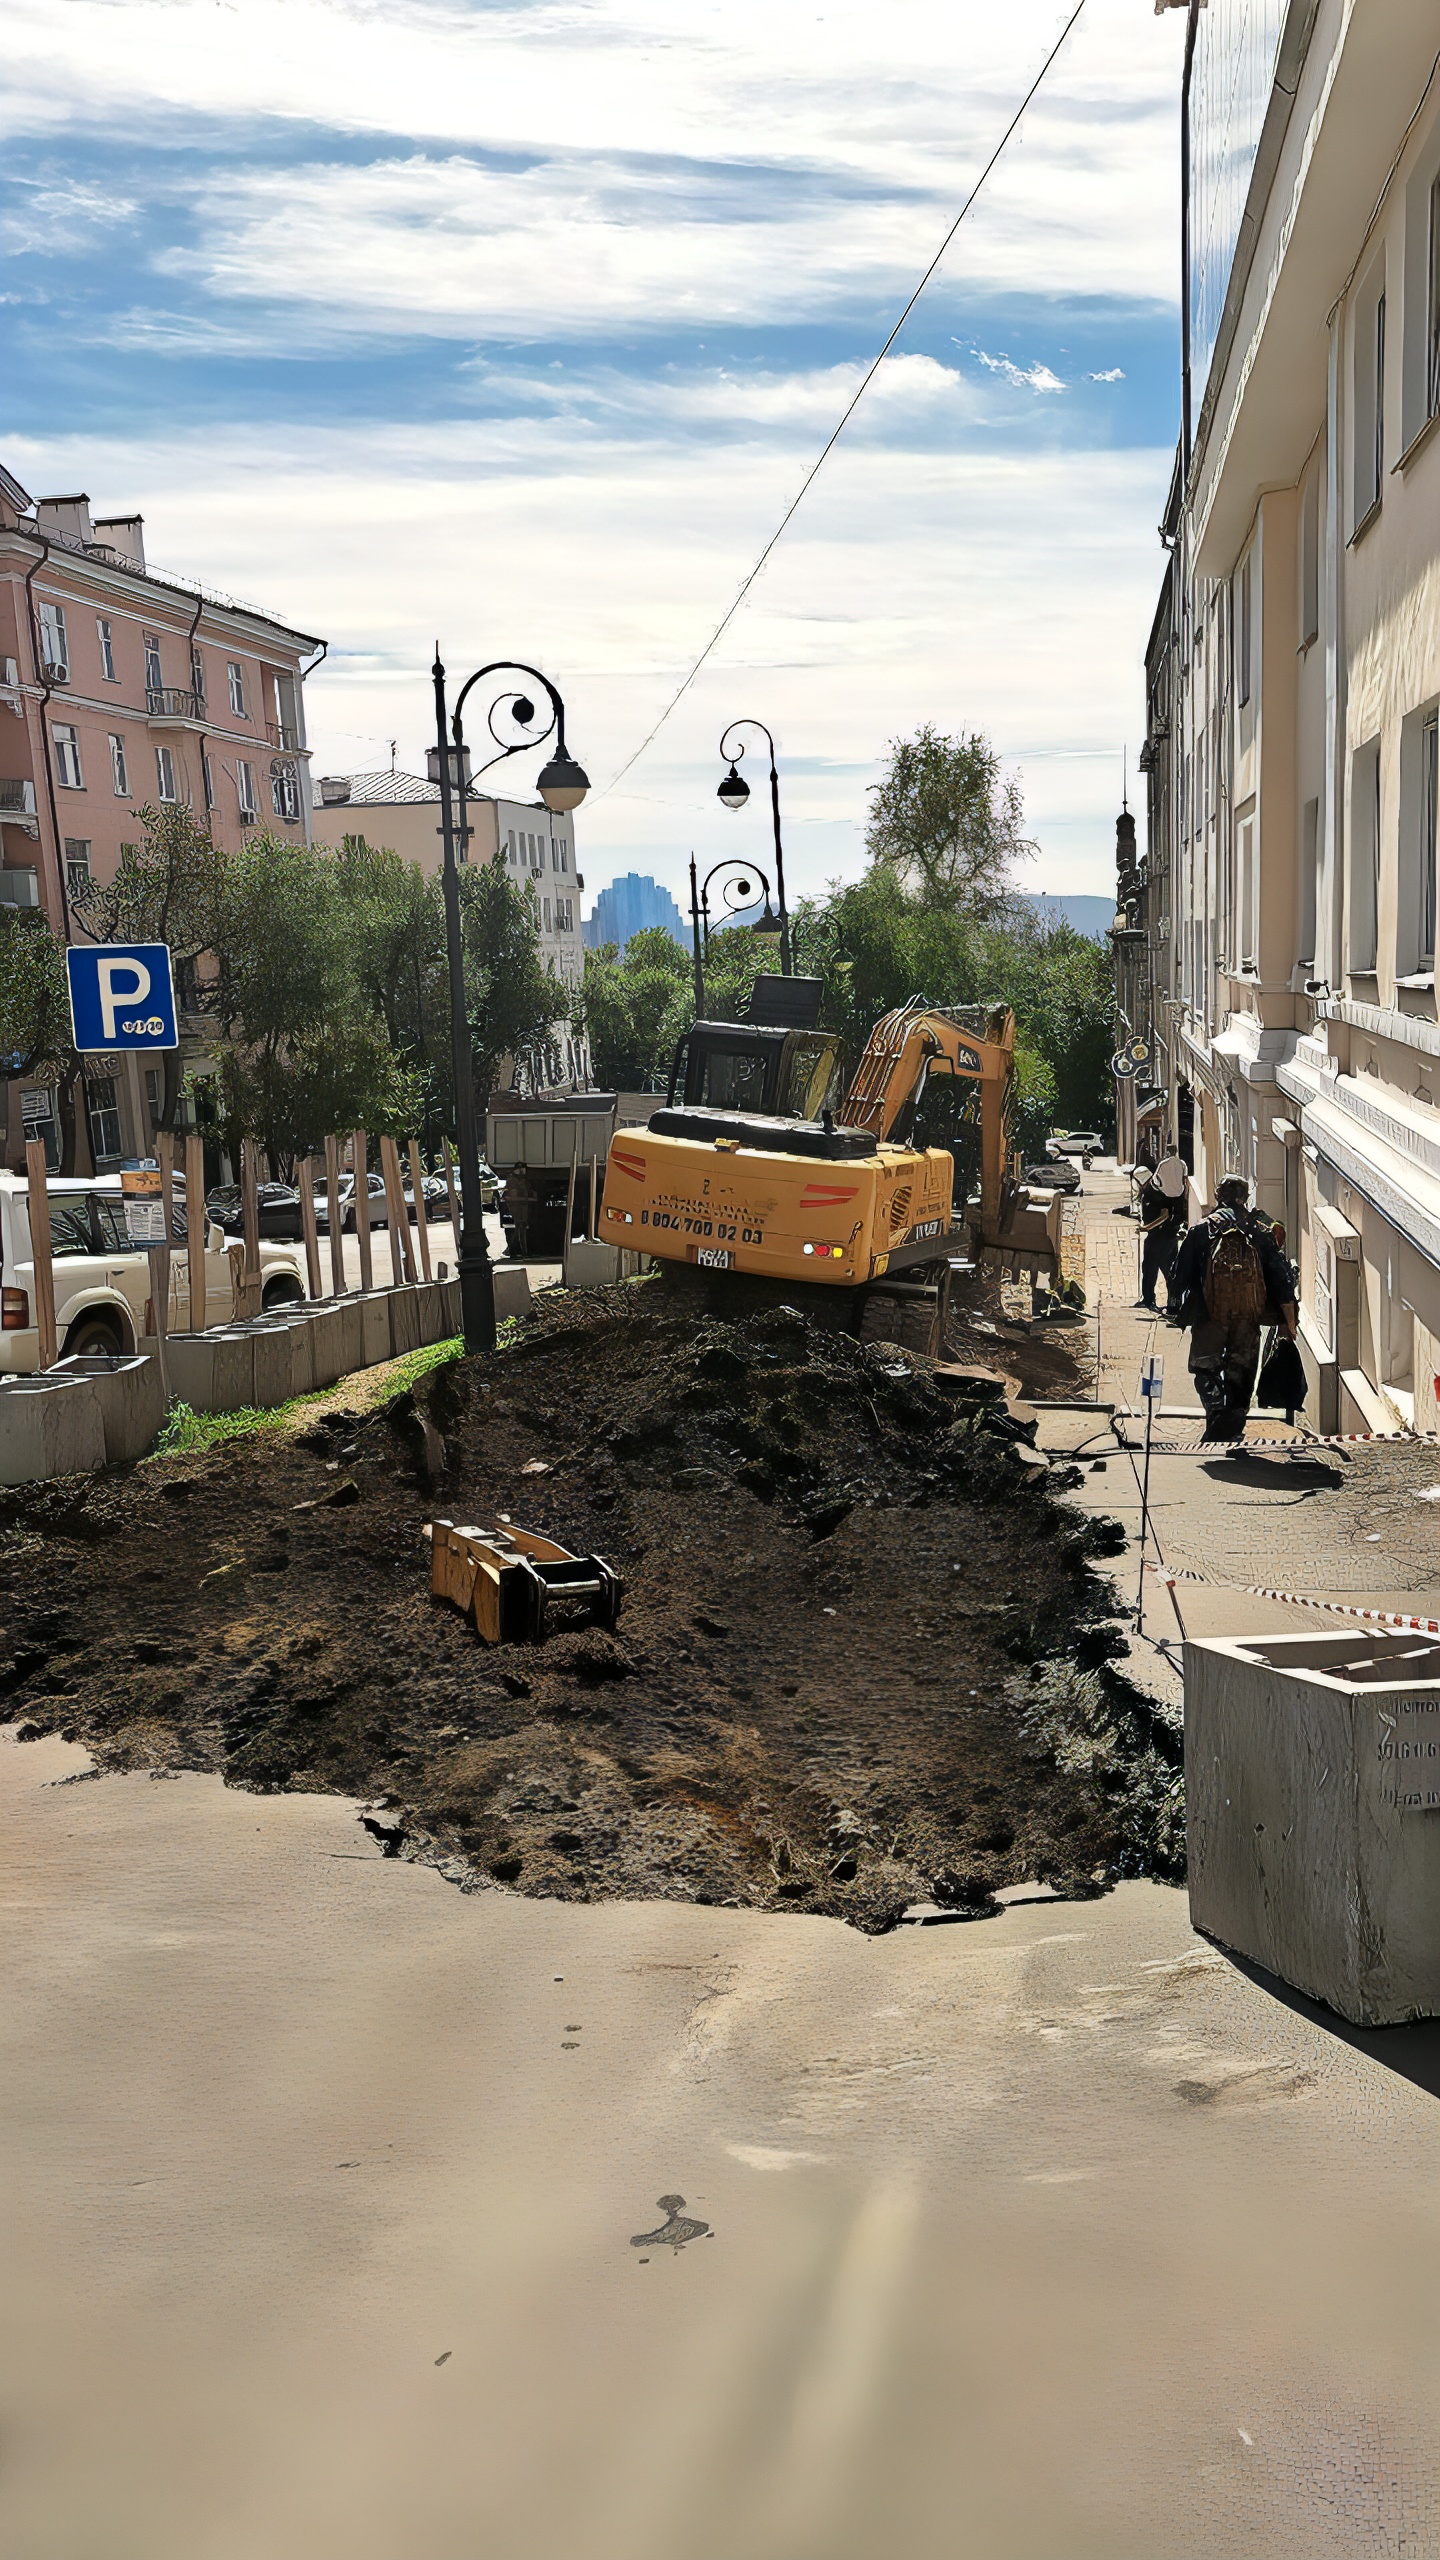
(320, 656)
(1335, 686)
(74, 1123)
(1192, 21)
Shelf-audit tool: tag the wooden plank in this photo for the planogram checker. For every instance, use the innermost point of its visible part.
(160, 1254)
(250, 1227)
(453, 1188)
(422, 1217)
(360, 1167)
(594, 1208)
(195, 1230)
(305, 1184)
(44, 1271)
(401, 1268)
(332, 1203)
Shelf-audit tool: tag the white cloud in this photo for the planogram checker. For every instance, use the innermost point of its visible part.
(1035, 377)
(915, 585)
(1116, 373)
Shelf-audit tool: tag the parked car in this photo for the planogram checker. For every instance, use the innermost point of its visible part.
(279, 1210)
(346, 1188)
(102, 1281)
(1056, 1174)
(1087, 1144)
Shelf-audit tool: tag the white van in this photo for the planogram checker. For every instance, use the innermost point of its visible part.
(102, 1282)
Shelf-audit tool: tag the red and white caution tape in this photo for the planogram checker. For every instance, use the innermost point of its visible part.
(1303, 1600)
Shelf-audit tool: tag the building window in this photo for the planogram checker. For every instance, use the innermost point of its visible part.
(104, 1116)
(285, 791)
(236, 674)
(77, 866)
(197, 677)
(1248, 936)
(1419, 788)
(545, 905)
(1429, 831)
(1309, 873)
(165, 774)
(119, 771)
(1370, 396)
(1365, 858)
(1243, 626)
(67, 759)
(54, 648)
(245, 789)
(154, 680)
(107, 651)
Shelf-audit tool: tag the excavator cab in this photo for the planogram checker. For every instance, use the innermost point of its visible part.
(756, 1068)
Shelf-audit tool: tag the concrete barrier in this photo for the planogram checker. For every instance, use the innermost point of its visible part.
(374, 1308)
(1312, 1787)
(405, 1333)
(132, 1405)
(211, 1372)
(328, 1342)
(49, 1426)
(272, 1353)
(512, 1292)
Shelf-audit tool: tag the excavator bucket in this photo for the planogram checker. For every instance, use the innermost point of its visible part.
(516, 1585)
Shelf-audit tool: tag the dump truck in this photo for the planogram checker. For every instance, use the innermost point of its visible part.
(758, 1164)
(532, 1141)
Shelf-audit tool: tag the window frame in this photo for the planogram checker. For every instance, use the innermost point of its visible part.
(54, 640)
(235, 679)
(165, 773)
(65, 738)
(245, 787)
(105, 634)
(154, 672)
(119, 768)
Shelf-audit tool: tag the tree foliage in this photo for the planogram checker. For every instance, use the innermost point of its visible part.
(947, 824)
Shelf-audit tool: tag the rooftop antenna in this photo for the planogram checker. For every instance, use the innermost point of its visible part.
(393, 744)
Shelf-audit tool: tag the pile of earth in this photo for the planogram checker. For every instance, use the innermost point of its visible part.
(862, 1662)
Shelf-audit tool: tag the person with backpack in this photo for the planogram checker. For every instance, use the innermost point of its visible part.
(1162, 1218)
(1230, 1279)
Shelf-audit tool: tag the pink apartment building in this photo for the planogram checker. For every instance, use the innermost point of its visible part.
(122, 686)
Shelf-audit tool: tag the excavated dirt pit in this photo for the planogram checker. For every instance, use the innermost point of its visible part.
(860, 1665)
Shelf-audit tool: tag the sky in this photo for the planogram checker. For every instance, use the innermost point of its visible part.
(518, 323)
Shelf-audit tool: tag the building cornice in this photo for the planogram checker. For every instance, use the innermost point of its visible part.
(138, 588)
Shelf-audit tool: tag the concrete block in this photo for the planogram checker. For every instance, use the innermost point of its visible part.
(273, 1362)
(132, 1404)
(589, 1265)
(512, 1291)
(405, 1333)
(49, 1426)
(374, 1308)
(211, 1372)
(1312, 1784)
(328, 1341)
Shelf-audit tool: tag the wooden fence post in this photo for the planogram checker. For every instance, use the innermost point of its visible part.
(401, 1264)
(44, 1268)
(250, 1281)
(305, 1184)
(422, 1214)
(332, 1202)
(195, 1230)
(360, 1167)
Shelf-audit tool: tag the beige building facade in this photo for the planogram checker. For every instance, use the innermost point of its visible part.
(402, 810)
(121, 686)
(1292, 747)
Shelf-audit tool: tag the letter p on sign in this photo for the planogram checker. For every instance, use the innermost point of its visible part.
(122, 996)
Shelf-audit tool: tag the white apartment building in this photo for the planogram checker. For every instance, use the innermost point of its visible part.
(402, 810)
(1292, 747)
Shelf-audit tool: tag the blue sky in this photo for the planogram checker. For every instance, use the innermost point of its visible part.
(521, 324)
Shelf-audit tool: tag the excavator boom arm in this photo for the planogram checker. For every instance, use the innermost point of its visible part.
(920, 1039)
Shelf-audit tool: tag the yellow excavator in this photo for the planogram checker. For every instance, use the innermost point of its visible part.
(757, 1164)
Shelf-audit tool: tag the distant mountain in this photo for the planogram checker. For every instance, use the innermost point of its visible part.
(632, 904)
(1092, 916)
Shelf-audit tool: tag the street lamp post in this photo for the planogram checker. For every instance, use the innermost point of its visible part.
(562, 785)
(734, 791)
(737, 893)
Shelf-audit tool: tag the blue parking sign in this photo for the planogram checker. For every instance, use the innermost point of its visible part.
(122, 995)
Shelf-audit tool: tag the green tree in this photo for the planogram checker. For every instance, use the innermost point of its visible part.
(36, 1039)
(513, 998)
(306, 1053)
(635, 1007)
(947, 824)
(168, 888)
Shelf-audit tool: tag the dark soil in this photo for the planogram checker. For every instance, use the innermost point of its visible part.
(860, 1662)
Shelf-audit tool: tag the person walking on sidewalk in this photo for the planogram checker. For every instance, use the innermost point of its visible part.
(1229, 1276)
(1162, 1217)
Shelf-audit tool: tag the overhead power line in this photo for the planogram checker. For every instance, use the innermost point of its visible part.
(818, 465)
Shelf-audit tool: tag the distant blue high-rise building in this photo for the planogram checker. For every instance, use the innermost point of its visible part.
(632, 905)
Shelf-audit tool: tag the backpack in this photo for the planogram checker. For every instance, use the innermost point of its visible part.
(1235, 1291)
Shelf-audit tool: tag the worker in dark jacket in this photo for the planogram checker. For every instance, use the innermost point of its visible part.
(1162, 1221)
(1230, 1276)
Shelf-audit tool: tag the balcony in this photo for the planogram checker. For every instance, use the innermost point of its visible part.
(284, 737)
(17, 805)
(174, 707)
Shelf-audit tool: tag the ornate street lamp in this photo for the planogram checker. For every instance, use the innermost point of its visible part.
(734, 792)
(562, 785)
(740, 880)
